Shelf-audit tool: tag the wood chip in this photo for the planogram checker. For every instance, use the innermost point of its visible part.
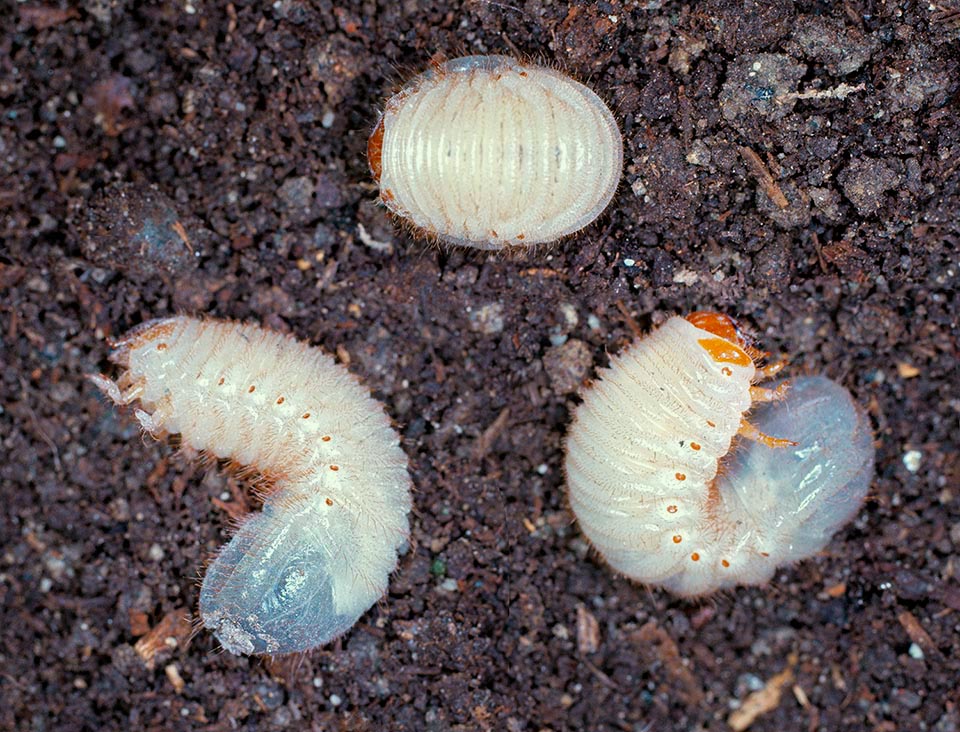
(588, 631)
(906, 370)
(760, 702)
(170, 633)
(485, 441)
(918, 634)
(763, 176)
(174, 677)
(657, 645)
(837, 590)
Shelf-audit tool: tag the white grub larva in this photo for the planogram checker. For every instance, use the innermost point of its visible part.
(320, 553)
(667, 496)
(489, 152)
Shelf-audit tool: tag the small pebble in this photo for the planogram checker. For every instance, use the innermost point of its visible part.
(449, 585)
(488, 318)
(567, 365)
(955, 533)
(906, 698)
(911, 460)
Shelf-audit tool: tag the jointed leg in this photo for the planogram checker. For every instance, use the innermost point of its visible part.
(772, 369)
(760, 394)
(108, 387)
(750, 432)
(152, 423)
(112, 389)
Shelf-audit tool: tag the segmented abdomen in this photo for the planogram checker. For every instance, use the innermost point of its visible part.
(490, 152)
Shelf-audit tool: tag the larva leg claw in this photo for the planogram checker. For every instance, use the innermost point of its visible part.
(152, 423)
(760, 394)
(108, 387)
(750, 432)
(772, 369)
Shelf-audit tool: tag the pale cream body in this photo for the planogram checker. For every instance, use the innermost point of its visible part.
(491, 153)
(644, 450)
(634, 434)
(340, 488)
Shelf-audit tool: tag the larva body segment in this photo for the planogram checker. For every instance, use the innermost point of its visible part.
(666, 496)
(488, 152)
(320, 553)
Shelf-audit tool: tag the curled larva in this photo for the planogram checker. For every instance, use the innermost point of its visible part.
(489, 152)
(668, 496)
(302, 571)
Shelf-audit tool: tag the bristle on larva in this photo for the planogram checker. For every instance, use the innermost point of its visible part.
(319, 555)
(669, 494)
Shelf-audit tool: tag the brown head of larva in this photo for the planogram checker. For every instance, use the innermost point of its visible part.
(375, 150)
(725, 327)
(152, 330)
(729, 333)
(720, 325)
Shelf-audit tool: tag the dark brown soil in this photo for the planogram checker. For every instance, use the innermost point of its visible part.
(795, 165)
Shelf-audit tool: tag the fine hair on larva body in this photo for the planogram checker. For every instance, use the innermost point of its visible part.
(676, 485)
(337, 491)
(490, 152)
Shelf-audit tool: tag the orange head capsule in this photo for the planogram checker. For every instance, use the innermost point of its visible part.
(720, 325)
(732, 344)
(375, 150)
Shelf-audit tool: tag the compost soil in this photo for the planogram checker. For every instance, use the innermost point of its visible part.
(793, 164)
